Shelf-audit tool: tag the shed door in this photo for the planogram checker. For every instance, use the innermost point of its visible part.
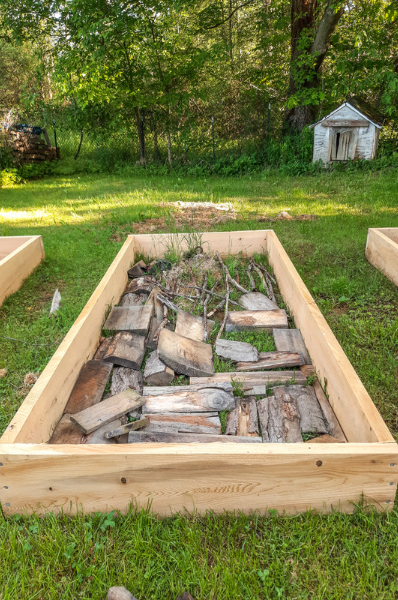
(341, 141)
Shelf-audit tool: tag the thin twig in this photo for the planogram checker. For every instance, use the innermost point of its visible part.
(204, 286)
(264, 283)
(193, 279)
(268, 285)
(205, 317)
(228, 275)
(162, 324)
(212, 293)
(220, 305)
(168, 303)
(226, 310)
(265, 271)
(177, 294)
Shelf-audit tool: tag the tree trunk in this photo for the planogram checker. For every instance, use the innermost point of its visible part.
(141, 138)
(169, 158)
(80, 145)
(305, 77)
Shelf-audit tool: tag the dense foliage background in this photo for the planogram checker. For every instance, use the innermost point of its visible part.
(220, 85)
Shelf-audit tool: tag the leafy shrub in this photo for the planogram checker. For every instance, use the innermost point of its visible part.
(9, 177)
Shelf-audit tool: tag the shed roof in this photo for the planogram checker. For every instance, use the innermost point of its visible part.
(363, 108)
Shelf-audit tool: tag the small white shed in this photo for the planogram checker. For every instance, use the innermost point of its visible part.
(351, 131)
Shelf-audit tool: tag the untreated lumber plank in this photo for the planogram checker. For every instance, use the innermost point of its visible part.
(191, 326)
(139, 437)
(90, 386)
(202, 401)
(272, 360)
(252, 378)
(243, 420)
(291, 340)
(135, 319)
(126, 350)
(156, 372)
(333, 423)
(241, 320)
(236, 351)
(185, 356)
(256, 301)
(164, 390)
(201, 423)
(94, 417)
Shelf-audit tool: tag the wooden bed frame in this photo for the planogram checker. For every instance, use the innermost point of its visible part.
(39, 477)
(382, 251)
(19, 255)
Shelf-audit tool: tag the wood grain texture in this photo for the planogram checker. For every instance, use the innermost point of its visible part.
(252, 378)
(165, 390)
(208, 422)
(106, 411)
(256, 301)
(382, 251)
(333, 424)
(66, 432)
(126, 428)
(351, 403)
(289, 427)
(43, 407)
(168, 437)
(19, 256)
(124, 378)
(102, 348)
(247, 477)
(291, 340)
(263, 417)
(129, 300)
(311, 417)
(191, 326)
(272, 360)
(156, 372)
(243, 420)
(135, 319)
(185, 356)
(242, 320)
(236, 351)
(126, 350)
(90, 386)
(202, 401)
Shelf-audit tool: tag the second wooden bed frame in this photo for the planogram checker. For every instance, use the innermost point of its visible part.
(36, 476)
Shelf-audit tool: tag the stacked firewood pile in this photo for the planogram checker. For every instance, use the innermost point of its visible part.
(173, 324)
(28, 146)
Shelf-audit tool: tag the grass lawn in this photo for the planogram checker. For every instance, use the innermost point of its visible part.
(83, 221)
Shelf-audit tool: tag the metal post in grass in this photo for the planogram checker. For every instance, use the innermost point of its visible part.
(55, 140)
(212, 135)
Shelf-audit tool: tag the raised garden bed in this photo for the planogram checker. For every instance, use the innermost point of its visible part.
(19, 255)
(382, 251)
(291, 477)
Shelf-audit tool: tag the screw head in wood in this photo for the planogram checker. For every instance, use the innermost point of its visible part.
(318, 463)
(123, 480)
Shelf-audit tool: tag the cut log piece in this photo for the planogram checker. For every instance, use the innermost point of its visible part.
(133, 300)
(135, 319)
(90, 386)
(156, 372)
(164, 390)
(263, 417)
(185, 356)
(243, 420)
(241, 320)
(123, 379)
(201, 401)
(256, 301)
(126, 428)
(333, 423)
(102, 348)
(106, 411)
(137, 270)
(290, 416)
(139, 437)
(272, 360)
(236, 351)
(324, 439)
(291, 340)
(67, 433)
(201, 423)
(260, 378)
(151, 343)
(141, 285)
(126, 350)
(311, 417)
(192, 327)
